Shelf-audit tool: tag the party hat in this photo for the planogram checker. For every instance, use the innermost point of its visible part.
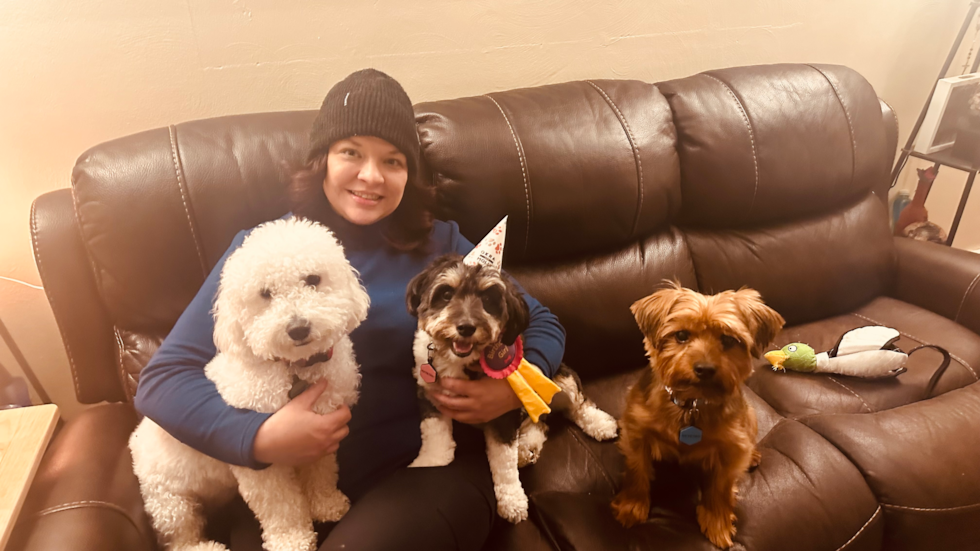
(490, 250)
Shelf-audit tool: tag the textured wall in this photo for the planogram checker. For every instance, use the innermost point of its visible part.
(74, 73)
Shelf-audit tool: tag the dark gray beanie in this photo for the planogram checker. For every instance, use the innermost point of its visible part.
(367, 103)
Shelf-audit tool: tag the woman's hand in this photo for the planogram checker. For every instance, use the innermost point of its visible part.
(478, 401)
(296, 435)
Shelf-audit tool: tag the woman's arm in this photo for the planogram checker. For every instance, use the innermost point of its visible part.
(174, 392)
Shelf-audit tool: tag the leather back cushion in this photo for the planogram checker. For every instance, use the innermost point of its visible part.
(779, 167)
(158, 209)
(588, 173)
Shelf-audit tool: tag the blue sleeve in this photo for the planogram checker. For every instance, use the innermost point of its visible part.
(174, 392)
(544, 338)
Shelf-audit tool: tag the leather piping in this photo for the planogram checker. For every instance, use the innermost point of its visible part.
(850, 126)
(92, 504)
(966, 294)
(866, 524)
(40, 270)
(748, 125)
(930, 509)
(521, 157)
(184, 198)
(636, 155)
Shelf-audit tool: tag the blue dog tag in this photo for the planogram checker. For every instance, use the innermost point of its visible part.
(690, 435)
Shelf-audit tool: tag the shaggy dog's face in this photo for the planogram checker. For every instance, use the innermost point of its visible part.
(465, 308)
(702, 346)
(288, 293)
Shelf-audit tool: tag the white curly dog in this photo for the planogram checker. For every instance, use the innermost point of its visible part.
(287, 301)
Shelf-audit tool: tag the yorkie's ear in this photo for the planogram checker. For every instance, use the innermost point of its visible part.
(651, 311)
(763, 322)
(518, 315)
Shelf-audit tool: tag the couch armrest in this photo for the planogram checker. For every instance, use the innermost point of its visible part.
(85, 495)
(940, 279)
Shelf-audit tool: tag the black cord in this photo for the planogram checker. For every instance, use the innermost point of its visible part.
(15, 350)
(939, 370)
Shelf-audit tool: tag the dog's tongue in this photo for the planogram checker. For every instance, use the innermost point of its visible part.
(462, 348)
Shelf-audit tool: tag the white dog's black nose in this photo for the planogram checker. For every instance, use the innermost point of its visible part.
(465, 330)
(298, 330)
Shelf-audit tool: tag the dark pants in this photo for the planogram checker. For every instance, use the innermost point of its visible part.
(432, 508)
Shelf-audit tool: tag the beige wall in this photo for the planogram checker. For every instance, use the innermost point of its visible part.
(79, 72)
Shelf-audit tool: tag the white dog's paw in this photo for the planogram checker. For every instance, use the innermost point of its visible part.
(202, 546)
(292, 540)
(330, 507)
(511, 502)
(597, 423)
(529, 444)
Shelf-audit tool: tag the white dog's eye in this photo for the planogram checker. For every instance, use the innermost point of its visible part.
(312, 280)
(266, 293)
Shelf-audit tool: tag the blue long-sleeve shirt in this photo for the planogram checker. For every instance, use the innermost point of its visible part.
(384, 428)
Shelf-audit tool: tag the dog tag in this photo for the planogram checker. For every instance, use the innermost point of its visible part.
(690, 435)
(428, 373)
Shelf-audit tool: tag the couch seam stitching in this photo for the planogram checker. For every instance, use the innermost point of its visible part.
(965, 295)
(636, 154)
(866, 524)
(602, 467)
(120, 345)
(40, 270)
(748, 125)
(847, 388)
(920, 341)
(521, 158)
(930, 509)
(84, 504)
(184, 199)
(847, 116)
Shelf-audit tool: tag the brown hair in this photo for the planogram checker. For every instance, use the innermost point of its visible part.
(411, 222)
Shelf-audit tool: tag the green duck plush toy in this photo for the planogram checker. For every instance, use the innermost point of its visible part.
(867, 352)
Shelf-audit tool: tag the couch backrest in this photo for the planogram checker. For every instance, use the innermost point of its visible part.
(760, 175)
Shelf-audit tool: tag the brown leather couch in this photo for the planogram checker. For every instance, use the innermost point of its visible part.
(774, 177)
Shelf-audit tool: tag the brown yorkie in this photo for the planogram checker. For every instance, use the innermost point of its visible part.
(688, 407)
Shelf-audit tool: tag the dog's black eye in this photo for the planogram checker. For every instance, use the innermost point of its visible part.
(728, 341)
(682, 336)
(312, 280)
(266, 293)
(443, 294)
(492, 299)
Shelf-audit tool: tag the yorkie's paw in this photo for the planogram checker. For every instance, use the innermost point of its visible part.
(630, 511)
(719, 528)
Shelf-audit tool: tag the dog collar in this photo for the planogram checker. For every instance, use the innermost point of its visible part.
(312, 360)
(689, 434)
(688, 404)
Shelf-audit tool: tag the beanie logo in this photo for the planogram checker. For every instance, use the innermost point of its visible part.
(345, 99)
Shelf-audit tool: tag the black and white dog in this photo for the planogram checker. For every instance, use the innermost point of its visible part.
(461, 310)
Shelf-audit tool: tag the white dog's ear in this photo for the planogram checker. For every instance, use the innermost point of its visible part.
(229, 337)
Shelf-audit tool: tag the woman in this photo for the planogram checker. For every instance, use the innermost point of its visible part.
(361, 180)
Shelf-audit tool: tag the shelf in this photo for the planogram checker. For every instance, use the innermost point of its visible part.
(945, 157)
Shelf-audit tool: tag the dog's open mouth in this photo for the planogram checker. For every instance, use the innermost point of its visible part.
(462, 348)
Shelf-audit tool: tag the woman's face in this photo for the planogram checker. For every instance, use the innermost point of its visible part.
(366, 178)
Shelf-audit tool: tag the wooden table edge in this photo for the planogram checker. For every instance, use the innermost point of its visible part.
(53, 414)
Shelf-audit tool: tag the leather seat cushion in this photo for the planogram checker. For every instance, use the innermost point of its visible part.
(800, 394)
(805, 495)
